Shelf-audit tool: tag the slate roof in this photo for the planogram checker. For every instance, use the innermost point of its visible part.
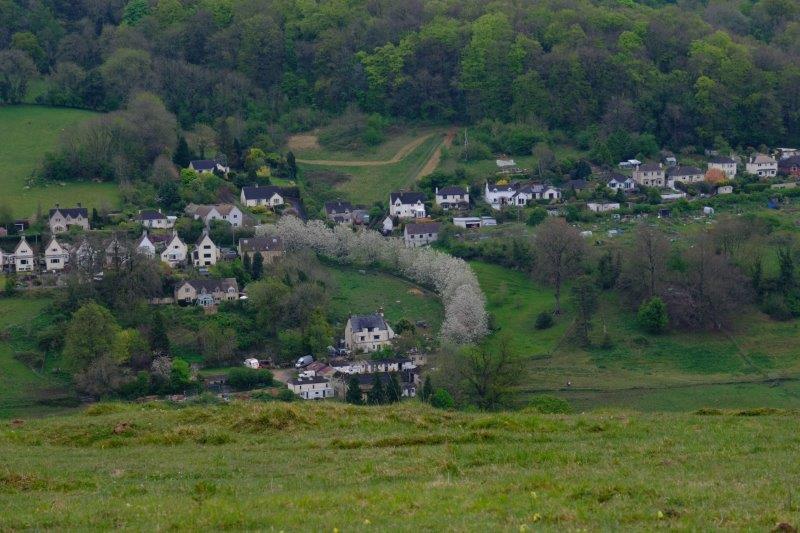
(338, 207)
(73, 212)
(452, 190)
(685, 171)
(150, 214)
(649, 167)
(203, 164)
(261, 244)
(407, 197)
(509, 187)
(212, 285)
(721, 160)
(256, 192)
(369, 322)
(308, 380)
(422, 228)
(789, 162)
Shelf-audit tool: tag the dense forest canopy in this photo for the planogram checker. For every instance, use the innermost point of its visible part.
(601, 73)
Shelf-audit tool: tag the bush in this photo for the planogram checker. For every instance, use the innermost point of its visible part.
(285, 395)
(442, 399)
(30, 359)
(537, 216)
(544, 320)
(249, 378)
(550, 405)
(652, 316)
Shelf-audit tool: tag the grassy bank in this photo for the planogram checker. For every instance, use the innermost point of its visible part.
(330, 466)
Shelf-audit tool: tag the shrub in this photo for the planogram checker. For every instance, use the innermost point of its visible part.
(652, 316)
(285, 395)
(544, 320)
(248, 378)
(537, 216)
(550, 405)
(442, 399)
(30, 359)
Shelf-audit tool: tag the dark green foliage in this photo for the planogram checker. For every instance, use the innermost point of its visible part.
(183, 155)
(536, 216)
(426, 392)
(584, 298)
(249, 378)
(550, 405)
(376, 395)
(159, 341)
(652, 315)
(544, 320)
(353, 394)
(608, 269)
(404, 325)
(394, 393)
(442, 399)
(257, 268)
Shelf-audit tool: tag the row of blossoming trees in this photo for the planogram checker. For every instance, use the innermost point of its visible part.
(452, 279)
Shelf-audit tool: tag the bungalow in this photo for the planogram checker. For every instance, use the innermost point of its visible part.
(684, 174)
(207, 213)
(725, 164)
(220, 290)
(367, 333)
(206, 252)
(421, 234)
(175, 252)
(602, 207)
(474, 222)
(452, 197)
(145, 246)
(407, 205)
(790, 166)
(725, 189)
(23, 256)
(339, 212)
(618, 182)
(762, 165)
(650, 175)
(208, 166)
(311, 387)
(270, 248)
(630, 163)
(56, 256)
(152, 219)
(269, 196)
(62, 218)
(535, 191)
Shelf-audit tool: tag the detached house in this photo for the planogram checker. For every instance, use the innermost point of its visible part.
(452, 197)
(62, 218)
(207, 290)
(685, 175)
(145, 246)
(208, 166)
(56, 256)
(339, 212)
(618, 182)
(790, 166)
(150, 218)
(206, 252)
(208, 213)
(407, 205)
(650, 175)
(725, 164)
(270, 248)
(269, 196)
(421, 234)
(763, 166)
(518, 194)
(499, 194)
(175, 252)
(23, 256)
(311, 387)
(367, 333)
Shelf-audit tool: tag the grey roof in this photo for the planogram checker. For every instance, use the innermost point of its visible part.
(261, 244)
(494, 187)
(452, 189)
(369, 322)
(790, 162)
(256, 192)
(685, 171)
(308, 380)
(338, 207)
(407, 197)
(212, 285)
(203, 164)
(202, 237)
(422, 228)
(721, 160)
(73, 212)
(150, 214)
(649, 167)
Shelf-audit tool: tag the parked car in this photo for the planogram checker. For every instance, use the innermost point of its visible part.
(304, 361)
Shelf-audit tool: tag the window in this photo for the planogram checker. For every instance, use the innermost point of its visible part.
(376, 337)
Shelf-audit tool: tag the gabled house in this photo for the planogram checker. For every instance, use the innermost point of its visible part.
(205, 252)
(407, 205)
(499, 194)
(725, 164)
(367, 333)
(311, 387)
(650, 175)
(56, 256)
(62, 218)
(421, 234)
(684, 174)
(208, 166)
(387, 225)
(618, 182)
(190, 291)
(117, 252)
(339, 212)
(23, 256)
(152, 219)
(175, 252)
(452, 197)
(270, 248)
(762, 165)
(790, 166)
(145, 246)
(531, 192)
(256, 195)
(208, 213)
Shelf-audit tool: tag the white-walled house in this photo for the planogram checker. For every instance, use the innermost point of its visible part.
(175, 252)
(206, 252)
(208, 166)
(407, 205)
(208, 213)
(725, 164)
(145, 246)
(367, 333)
(499, 195)
(602, 207)
(56, 256)
(421, 234)
(762, 165)
(453, 197)
(152, 219)
(311, 387)
(268, 196)
(24, 260)
(618, 182)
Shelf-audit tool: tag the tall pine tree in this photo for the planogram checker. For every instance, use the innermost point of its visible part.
(353, 394)
(394, 393)
(159, 342)
(258, 266)
(182, 155)
(376, 395)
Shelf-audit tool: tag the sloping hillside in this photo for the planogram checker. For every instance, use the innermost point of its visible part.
(314, 467)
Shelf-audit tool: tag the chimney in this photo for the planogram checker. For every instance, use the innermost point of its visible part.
(380, 311)
(79, 204)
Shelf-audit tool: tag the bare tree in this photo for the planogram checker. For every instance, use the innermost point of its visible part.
(559, 251)
(644, 268)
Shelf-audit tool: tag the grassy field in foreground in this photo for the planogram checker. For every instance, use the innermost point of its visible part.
(26, 133)
(315, 467)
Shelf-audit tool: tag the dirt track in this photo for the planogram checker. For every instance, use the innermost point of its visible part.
(396, 158)
(433, 162)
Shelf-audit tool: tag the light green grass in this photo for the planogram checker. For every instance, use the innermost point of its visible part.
(381, 152)
(358, 293)
(326, 467)
(26, 134)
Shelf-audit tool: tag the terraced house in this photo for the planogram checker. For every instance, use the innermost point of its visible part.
(217, 290)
